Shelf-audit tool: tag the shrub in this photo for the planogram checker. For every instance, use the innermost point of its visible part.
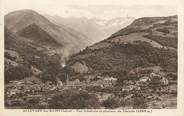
(112, 102)
(139, 101)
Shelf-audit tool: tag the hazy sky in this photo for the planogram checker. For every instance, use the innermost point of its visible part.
(95, 8)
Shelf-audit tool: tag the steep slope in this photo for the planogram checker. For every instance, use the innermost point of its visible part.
(159, 29)
(38, 35)
(135, 46)
(28, 20)
(17, 52)
(26, 59)
(20, 44)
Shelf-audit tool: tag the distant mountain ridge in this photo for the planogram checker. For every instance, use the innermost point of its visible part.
(94, 28)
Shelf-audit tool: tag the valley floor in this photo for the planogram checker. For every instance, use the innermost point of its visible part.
(101, 93)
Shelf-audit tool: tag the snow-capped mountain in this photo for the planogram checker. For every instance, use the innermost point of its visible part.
(117, 21)
(96, 29)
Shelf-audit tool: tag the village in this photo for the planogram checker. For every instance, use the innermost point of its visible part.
(151, 85)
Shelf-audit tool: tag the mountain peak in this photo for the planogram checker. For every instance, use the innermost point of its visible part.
(24, 18)
(23, 11)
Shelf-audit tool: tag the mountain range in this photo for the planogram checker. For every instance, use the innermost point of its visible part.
(96, 29)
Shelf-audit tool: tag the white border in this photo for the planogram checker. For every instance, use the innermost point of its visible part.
(155, 112)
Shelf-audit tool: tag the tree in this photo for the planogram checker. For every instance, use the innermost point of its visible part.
(51, 68)
(17, 73)
(73, 99)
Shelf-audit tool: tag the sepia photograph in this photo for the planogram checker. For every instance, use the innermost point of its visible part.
(84, 55)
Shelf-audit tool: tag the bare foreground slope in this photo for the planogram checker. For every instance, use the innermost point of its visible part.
(134, 68)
